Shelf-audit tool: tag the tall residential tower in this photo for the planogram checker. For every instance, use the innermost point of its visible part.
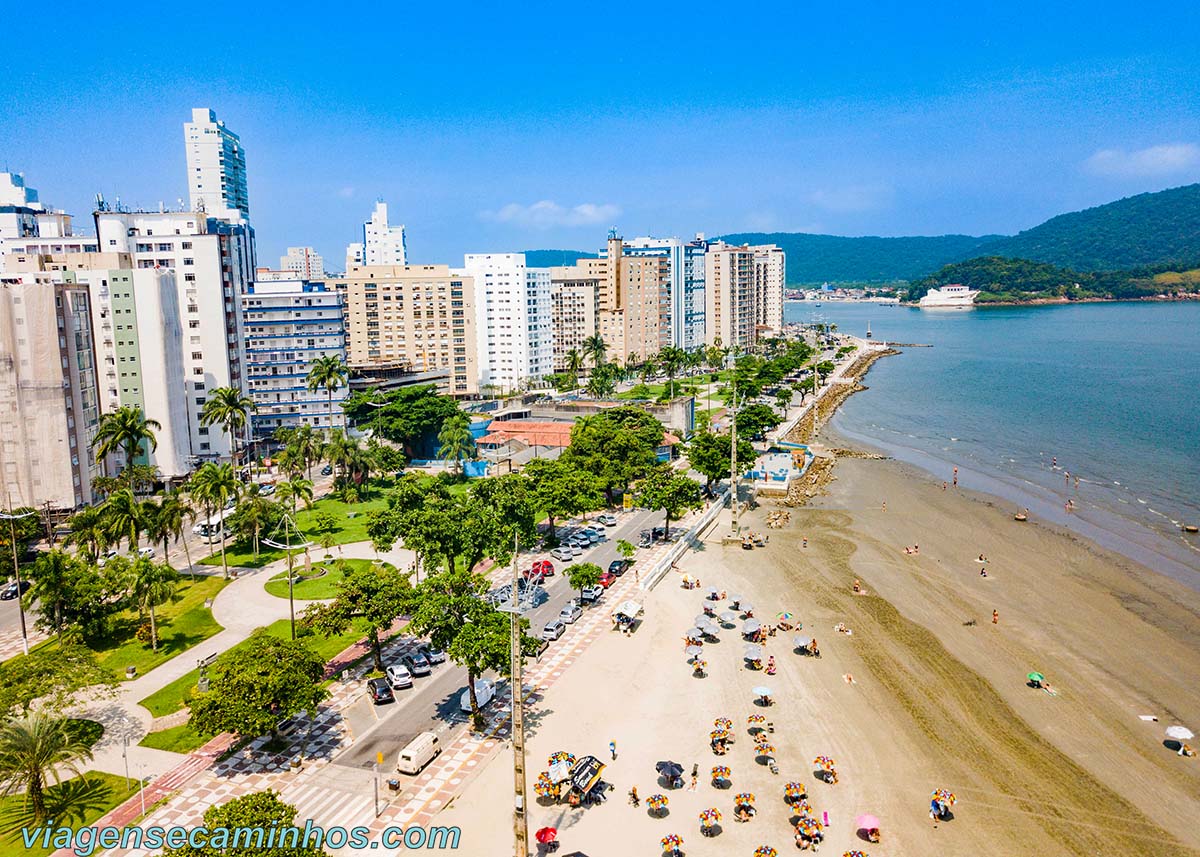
(216, 166)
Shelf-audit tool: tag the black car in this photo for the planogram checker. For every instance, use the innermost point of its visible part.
(380, 691)
(417, 664)
(618, 567)
(10, 592)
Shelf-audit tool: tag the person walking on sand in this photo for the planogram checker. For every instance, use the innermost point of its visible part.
(956, 477)
(612, 748)
(634, 800)
(692, 784)
(995, 621)
(885, 505)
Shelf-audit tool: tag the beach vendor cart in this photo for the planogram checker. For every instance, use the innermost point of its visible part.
(586, 785)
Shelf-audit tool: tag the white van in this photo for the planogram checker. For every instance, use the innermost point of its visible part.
(419, 753)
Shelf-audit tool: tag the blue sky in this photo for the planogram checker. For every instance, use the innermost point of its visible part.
(513, 126)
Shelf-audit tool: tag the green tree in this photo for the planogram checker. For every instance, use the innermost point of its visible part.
(172, 514)
(443, 604)
(254, 514)
(213, 485)
(151, 584)
(602, 382)
(407, 416)
(756, 420)
(305, 444)
(582, 575)
(257, 685)
(35, 748)
(614, 447)
(596, 348)
(294, 492)
(126, 516)
(455, 441)
(783, 398)
(562, 491)
(672, 359)
(126, 429)
(259, 812)
(483, 644)
(328, 373)
(371, 597)
(88, 532)
(51, 675)
(667, 490)
(230, 408)
(708, 454)
(573, 361)
(626, 550)
(72, 594)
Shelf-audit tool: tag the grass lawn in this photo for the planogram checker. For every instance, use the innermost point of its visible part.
(315, 588)
(177, 739)
(171, 698)
(74, 803)
(89, 730)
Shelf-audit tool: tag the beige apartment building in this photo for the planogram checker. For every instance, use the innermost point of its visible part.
(770, 274)
(729, 298)
(574, 310)
(417, 317)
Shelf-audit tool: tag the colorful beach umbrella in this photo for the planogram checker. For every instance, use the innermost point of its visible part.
(945, 796)
(785, 616)
(765, 851)
(764, 749)
(710, 816)
(794, 790)
(672, 840)
(1180, 733)
(744, 797)
(824, 762)
(723, 723)
(1035, 677)
(719, 735)
(721, 772)
(561, 756)
(808, 826)
(802, 806)
(546, 835)
(866, 822)
(854, 853)
(657, 802)
(756, 718)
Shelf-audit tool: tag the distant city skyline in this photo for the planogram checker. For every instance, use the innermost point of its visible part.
(841, 121)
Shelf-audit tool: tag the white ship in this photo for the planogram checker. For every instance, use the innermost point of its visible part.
(953, 296)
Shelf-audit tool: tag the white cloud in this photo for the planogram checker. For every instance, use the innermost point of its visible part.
(546, 214)
(853, 198)
(1164, 160)
(345, 192)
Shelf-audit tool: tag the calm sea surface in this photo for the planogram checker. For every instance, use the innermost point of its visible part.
(1112, 391)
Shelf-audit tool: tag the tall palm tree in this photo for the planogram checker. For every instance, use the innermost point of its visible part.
(89, 532)
(339, 451)
(212, 486)
(172, 514)
(254, 511)
(127, 517)
(36, 747)
(295, 490)
(124, 430)
(573, 361)
(328, 373)
(151, 584)
(671, 359)
(229, 407)
(595, 347)
(306, 444)
(455, 441)
(51, 582)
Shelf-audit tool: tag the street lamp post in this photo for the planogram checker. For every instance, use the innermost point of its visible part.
(513, 607)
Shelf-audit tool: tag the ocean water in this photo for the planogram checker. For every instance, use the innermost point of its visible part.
(1112, 391)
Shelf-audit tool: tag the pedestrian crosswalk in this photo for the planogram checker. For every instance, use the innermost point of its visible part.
(327, 807)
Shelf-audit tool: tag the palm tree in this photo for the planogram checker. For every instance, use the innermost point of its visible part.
(124, 429)
(230, 407)
(213, 485)
(35, 747)
(89, 532)
(51, 582)
(127, 517)
(171, 515)
(151, 584)
(296, 490)
(671, 359)
(455, 441)
(307, 446)
(338, 452)
(330, 373)
(595, 347)
(573, 361)
(254, 512)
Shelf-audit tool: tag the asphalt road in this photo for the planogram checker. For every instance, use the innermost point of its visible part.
(432, 703)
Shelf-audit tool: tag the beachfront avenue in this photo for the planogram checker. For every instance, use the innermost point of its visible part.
(85, 841)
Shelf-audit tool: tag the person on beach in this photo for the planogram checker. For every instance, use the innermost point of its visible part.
(1054, 462)
(612, 748)
(812, 647)
(916, 548)
(1186, 750)
(995, 617)
(943, 486)
(982, 558)
(885, 505)
(771, 665)
(857, 586)
(956, 477)
(935, 811)
(634, 800)
(806, 541)
(1067, 478)
(983, 572)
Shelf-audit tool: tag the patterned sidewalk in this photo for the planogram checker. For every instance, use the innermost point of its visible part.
(10, 640)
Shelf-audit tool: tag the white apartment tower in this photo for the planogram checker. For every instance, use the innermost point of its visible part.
(305, 262)
(382, 244)
(216, 166)
(770, 272)
(686, 284)
(514, 332)
(25, 221)
(729, 312)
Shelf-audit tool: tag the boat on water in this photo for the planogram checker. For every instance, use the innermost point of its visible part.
(953, 296)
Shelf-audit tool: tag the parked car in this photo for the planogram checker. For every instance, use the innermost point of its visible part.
(11, 591)
(147, 552)
(380, 692)
(553, 630)
(618, 567)
(417, 665)
(541, 568)
(563, 554)
(485, 692)
(645, 541)
(570, 613)
(434, 656)
(575, 547)
(607, 579)
(104, 559)
(266, 489)
(592, 593)
(398, 676)
(327, 470)
(608, 520)
(418, 753)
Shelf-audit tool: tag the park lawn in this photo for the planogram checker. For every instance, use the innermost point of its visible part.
(182, 624)
(316, 588)
(92, 795)
(178, 739)
(170, 698)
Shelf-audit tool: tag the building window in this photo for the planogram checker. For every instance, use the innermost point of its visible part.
(199, 370)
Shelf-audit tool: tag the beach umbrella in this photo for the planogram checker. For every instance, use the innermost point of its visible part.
(751, 626)
(562, 756)
(762, 690)
(694, 633)
(744, 797)
(544, 786)
(721, 772)
(710, 816)
(719, 735)
(785, 616)
(629, 609)
(1180, 733)
(753, 653)
(794, 790)
(765, 749)
(702, 620)
(657, 802)
(671, 840)
(747, 608)
(756, 718)
(765, 851)
(546, 835)
(808, 826)
(801, 642)
(945, 796)
(669, 769)
(854, 853)
(761, 738)
(723, 723)
(824, 762)
(728, 616)
(866, 822)
(712, 591)
(687, 578)
(692, 651)
(1035, 677)
(699, 663)
(733, 600)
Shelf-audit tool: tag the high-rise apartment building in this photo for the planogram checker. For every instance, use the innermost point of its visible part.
(574, 311)
(686, 288)
(304, 262)
(729, 294)
(288, 325)
(48, 399)
(514, 337)
(137, 342)
(382, 244)
(635, 302)
(27, 225)
(770, 273)
(416, 318)
(216, 166)
(213, 261)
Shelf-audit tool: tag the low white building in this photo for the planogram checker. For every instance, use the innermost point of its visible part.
(514, 330)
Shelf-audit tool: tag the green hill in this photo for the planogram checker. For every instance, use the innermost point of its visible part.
(1160, 228)
(819, 258)
(555, 258)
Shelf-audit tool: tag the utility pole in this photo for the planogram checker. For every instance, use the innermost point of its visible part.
(12, 532)
(287, 540)
(520, 821)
